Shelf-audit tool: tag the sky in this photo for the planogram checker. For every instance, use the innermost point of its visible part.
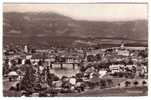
(103, 12)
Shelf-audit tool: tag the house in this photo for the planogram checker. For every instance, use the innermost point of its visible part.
(123, 52)
(114, 68)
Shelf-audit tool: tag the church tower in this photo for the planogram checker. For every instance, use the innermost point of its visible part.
(25, 49)
(122, 45)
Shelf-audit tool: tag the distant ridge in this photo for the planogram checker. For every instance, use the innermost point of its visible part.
(50, 24)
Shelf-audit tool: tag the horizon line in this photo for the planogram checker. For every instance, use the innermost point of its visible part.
(75, 18)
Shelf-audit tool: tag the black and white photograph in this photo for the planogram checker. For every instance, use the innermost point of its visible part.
(75, 49)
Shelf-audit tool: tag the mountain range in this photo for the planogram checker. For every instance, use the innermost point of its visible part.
(41, 25)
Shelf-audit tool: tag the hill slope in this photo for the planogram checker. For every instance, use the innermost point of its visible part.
(52, 25)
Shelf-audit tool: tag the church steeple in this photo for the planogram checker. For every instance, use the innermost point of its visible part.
(25, 49)
(122, 45)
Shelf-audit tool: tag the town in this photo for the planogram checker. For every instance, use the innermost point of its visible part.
(75, 49)
(64, 71)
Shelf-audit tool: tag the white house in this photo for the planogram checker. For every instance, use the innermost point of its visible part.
(123, 52)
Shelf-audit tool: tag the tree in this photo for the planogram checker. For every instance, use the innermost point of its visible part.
(135, 83)
(119, 84)
(127, 83)
(90, 58)
(98, 57)
(144, 83)
(51, 77)
(28, 79)
(110, 82)
(33, 50)
(5, 69)
(102, 84)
